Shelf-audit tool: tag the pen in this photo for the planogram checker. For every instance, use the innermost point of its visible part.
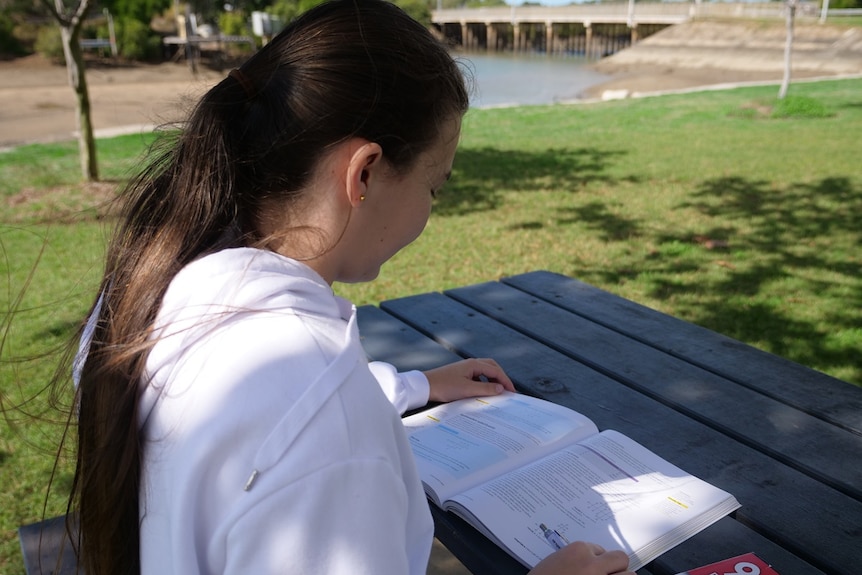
(556, 540)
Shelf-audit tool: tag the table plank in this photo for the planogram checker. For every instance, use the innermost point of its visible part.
(771, 492)
(826, 397)
(401, 345)
(541, 373)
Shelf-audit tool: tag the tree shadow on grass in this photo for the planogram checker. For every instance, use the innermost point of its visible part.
(481, 175)
(807, 235)
(610, 226)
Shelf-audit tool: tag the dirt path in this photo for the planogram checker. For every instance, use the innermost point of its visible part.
(37, 104)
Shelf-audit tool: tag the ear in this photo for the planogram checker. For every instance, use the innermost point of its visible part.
(364, 167)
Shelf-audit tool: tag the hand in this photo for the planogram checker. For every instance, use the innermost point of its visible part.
(581, 558)
(462, 379)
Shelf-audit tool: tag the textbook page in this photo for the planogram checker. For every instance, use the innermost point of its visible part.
(607, 490)
(463, 443)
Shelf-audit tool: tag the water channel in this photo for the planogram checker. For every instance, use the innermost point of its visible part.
(527, 79)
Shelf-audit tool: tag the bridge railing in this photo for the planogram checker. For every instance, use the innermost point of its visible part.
(762, 10)
(664, 11)
(555, 13)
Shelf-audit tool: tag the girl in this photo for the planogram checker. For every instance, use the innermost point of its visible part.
(228, 419)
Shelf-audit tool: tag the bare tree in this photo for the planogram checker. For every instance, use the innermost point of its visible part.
(71, 20)
(788, 48)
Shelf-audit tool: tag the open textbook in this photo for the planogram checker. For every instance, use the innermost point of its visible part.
(532, 476)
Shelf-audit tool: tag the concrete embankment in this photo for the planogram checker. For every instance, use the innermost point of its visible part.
(702, 53)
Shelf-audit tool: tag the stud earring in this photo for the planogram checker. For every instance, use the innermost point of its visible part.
(362, 198)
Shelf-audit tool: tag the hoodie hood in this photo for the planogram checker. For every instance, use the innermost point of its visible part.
(213, 292)
(247, 279)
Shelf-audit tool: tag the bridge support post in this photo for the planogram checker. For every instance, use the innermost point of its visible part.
(588, 41)
(549, 38)
(491, 35)
(468, 38)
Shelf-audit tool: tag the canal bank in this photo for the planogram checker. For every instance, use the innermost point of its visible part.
(716, 52)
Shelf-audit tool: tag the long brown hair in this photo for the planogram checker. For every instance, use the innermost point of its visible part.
(345, 68)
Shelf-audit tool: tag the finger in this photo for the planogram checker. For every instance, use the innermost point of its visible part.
(491, 370)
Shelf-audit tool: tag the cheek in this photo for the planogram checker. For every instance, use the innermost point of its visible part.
(405, 226)
(419, 218)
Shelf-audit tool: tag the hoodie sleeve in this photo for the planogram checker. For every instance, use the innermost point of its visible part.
(405, 390)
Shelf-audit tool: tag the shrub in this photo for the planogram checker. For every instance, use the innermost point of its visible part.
(234, 23)
(9, 44)
(135, 41)
(418, 10)
(49, 43)
(25, 34)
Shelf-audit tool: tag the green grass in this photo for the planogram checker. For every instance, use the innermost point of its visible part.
(31, 175)
(707, 206)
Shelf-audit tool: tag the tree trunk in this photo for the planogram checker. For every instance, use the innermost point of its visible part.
(788, 49)
(70, 32)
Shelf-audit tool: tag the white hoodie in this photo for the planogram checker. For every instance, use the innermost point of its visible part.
(269, 445)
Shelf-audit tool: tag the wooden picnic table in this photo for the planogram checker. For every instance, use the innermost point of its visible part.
(784, 439)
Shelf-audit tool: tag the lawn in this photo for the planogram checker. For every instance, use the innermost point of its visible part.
(713, 207)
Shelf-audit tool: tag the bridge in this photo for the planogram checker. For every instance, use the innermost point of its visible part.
(591, 30)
